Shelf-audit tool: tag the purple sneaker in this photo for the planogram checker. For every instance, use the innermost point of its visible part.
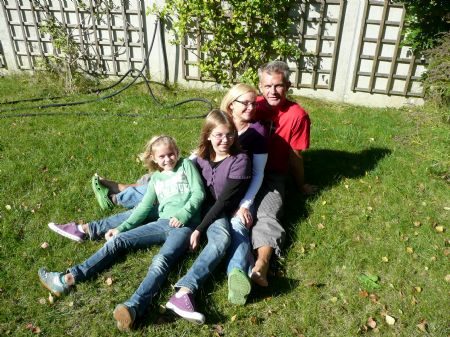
(69, 231)
(184, 307)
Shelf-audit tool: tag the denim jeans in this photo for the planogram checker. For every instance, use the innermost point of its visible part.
(131, 196)
(98, 228)
(175, 243)
(218, 241)
(240, 251)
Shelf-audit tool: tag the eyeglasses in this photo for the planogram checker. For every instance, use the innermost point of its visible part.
(219, 136)
(247, 104)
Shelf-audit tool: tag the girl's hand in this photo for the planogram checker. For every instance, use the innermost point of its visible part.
(245, 216)
(109, 234)
(195, 240)
(174, 222)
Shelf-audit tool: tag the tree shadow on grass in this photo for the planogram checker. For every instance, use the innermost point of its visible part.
(325, 168)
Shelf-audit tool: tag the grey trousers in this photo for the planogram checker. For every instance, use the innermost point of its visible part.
(267, 230)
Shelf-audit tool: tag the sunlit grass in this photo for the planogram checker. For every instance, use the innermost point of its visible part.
(384, 191)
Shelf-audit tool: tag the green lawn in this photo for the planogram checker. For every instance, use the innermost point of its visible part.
(383, 209)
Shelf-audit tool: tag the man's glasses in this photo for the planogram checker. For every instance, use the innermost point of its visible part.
(219, 136)
(247, 104)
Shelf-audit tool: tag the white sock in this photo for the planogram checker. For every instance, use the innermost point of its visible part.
(180, 293)
(80, 228)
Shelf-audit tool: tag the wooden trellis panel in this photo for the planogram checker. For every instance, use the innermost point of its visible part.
(111, 43)
(317, 31)
(384, 66)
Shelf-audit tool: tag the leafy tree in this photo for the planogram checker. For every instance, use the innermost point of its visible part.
(425, 20)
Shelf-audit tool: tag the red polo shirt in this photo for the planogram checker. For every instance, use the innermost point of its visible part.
(290, 126)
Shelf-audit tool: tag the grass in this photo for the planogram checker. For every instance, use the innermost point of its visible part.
(384, 193)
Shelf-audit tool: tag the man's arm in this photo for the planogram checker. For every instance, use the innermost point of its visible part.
(297, 170)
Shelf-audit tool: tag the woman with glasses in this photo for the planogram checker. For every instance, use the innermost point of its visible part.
(226, 172)
(240, 104)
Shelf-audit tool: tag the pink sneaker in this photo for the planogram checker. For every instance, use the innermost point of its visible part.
(185, 308)
(69, 231)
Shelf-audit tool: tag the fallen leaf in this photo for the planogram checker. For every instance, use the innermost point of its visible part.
(218, 330)
(320, 226)
(363, 293)
(42, 301)
(373, 298)
(418, 289)
(51, 299)
(371, 323)
(312, 245)
(369, 208)
(385, 259)
(346, 186)
(324, 202)
(44, 245)
(70, 304)
(413, 301)
(233, 318)
(253, 320)
(369, 281)
(33, 329)
(109, 281)
(409, 250)
(447, 278)
(447, 251)
(417, 223)
(439, 229)
(390, 320)
(334, 299)
(423, 326)
(8, 207)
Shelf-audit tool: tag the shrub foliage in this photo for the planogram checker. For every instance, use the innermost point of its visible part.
(236, 36)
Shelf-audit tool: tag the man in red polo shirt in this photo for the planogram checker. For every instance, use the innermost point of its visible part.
(289, 136)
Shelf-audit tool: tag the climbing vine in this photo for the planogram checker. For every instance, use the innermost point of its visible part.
(236, 36)
(74, 59)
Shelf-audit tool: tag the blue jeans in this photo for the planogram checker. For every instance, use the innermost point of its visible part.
(98, 228)
(218, 241)
(131, 196)
(175, 243)
(240, 251)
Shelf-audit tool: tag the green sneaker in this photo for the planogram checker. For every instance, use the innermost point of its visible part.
(101, 193)
(52, 281)
(239, 287)
(124, 316)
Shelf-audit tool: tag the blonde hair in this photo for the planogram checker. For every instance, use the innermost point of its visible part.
(147, 156)
(215, 118)
(233, 94)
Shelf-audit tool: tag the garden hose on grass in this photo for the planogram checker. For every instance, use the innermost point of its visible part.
(134, 73)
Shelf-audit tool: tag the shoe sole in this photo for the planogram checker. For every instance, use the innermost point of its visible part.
(196, 317)
(103, 200)
(56, 229)
(123, 317)
(56, 293)
(239, 287)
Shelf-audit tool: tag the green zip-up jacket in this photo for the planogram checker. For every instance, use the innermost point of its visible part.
(179, 194)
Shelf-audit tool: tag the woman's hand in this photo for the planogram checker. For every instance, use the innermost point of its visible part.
(174, 222)
(109, 234)
(245, 216)
(195, 240)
